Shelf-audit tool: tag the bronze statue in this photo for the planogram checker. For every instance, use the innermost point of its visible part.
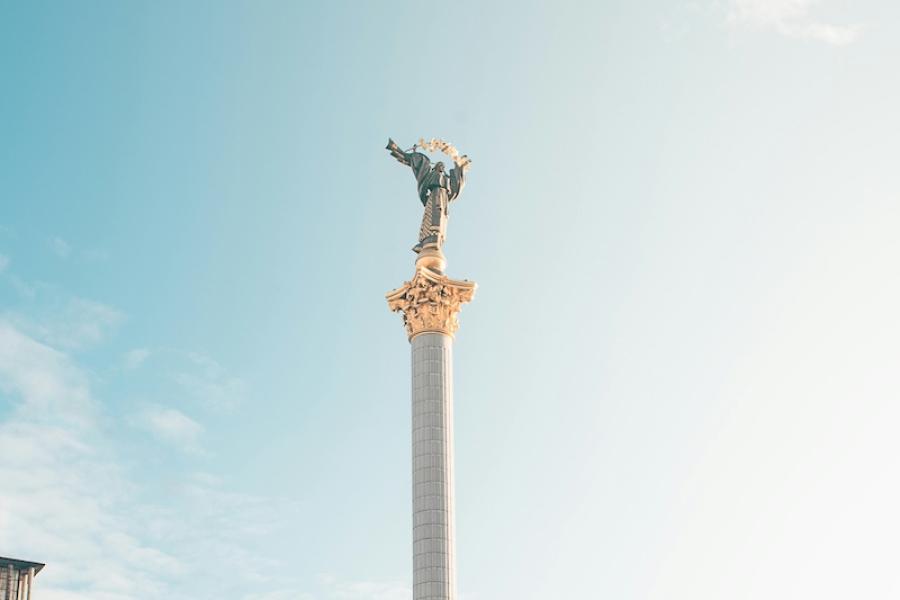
(437, 188)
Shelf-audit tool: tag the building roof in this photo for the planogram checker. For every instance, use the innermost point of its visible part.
(20, 565)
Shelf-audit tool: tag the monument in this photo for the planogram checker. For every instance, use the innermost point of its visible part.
(430, 303)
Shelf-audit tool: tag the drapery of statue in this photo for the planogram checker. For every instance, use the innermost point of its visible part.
(437, 188)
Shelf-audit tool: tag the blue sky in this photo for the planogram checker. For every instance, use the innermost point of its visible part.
(678, 380)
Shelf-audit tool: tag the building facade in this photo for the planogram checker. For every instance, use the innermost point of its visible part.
(17, 578)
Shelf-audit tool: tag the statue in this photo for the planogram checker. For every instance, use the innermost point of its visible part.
(437, 188)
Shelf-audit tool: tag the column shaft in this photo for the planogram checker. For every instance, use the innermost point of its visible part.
(434, 556)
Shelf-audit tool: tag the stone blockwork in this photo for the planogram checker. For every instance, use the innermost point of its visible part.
(434, 558)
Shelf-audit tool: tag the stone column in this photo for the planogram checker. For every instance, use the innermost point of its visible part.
(430, 302)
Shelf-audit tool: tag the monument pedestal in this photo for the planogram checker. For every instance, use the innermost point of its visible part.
(429, 303)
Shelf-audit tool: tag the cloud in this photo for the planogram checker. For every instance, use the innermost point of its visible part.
(85, 322)
(4, 262)
(135, 358)
(69, 501)
(770, 11)
(371, 590)
(66, 251)
(213, 526)
(95, 255)
(334, 589)
(71, 323)
(66, 505)
(791, 18)
(44, 379)
(60, 247)
(24, 289)
(172, 426)
(279, 595)
(206, 380)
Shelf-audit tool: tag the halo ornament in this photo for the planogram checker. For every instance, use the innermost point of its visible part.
(445, 148)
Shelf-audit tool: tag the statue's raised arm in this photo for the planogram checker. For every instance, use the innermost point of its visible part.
(397, 153)
(435, 185)
(420, 163)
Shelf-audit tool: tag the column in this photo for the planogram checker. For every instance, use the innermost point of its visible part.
(430, 303)
(434, 555)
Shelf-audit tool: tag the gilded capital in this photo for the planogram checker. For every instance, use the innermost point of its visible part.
(430, 302)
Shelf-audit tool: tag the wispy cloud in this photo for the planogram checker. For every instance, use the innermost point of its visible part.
(792, 18)
(94, 255)
(44, 379)
(67, 322)
(61, 247)
(135, 358)
(74, 497)
(68, 500)
(172, 426)
(371, 590)
(279, 595)
(4, 262)
(65, 250)
(66, 504)
(334, 589)
(85, 322)
(224, 529)
(207, 381)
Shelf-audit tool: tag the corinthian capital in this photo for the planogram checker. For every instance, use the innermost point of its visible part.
(430, 302)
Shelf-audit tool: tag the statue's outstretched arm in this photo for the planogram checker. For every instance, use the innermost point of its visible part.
(397, 153)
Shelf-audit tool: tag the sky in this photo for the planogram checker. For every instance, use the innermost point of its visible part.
(679, 379)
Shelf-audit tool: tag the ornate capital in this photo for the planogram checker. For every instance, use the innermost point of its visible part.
(430, 302)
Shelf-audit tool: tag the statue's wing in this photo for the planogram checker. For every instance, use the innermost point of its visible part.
(419, 162)
(457, 181)
(421, 166)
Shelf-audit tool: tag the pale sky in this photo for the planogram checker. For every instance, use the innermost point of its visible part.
(679, 379)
